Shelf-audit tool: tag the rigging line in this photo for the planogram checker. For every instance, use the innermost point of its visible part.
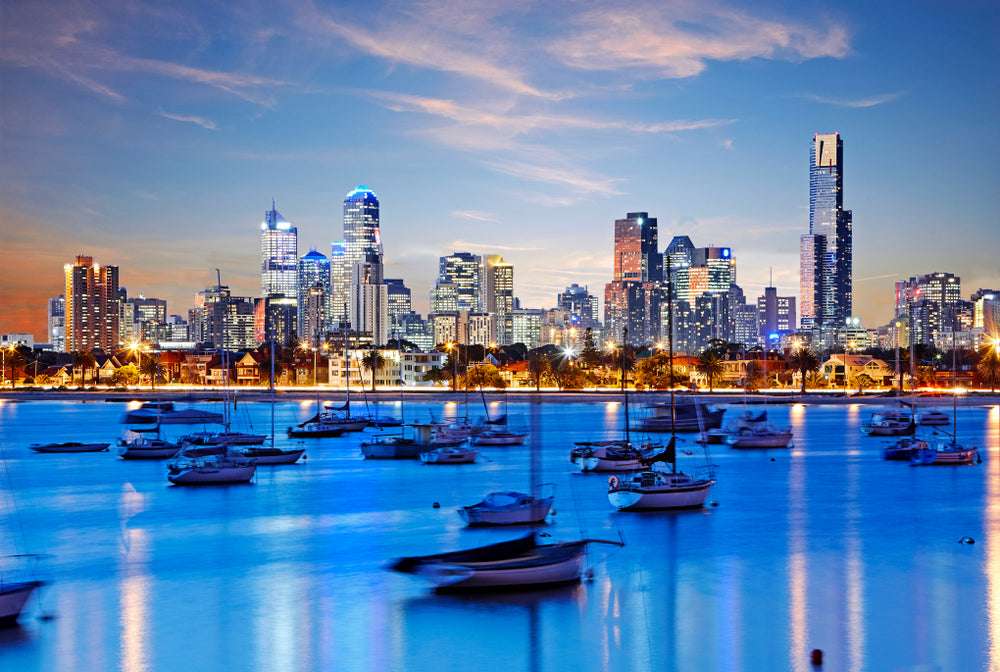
(19, 543)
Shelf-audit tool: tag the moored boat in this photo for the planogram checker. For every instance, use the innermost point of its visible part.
(612, 455)
(517, 564)
(422, 437)
(196, 466)
(449, 455)
(510, 508)
(762, 435)
(500, 437)
(13, 596)
(932, 417)
(689, 415)
(147, 448)
(889, 423)
(69, 447)
(904, 448)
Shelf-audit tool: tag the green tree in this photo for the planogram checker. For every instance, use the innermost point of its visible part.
(83, 361)
(373, 361)
(150, 367)
(710, 365)
(590, 357)
(805, 361)
(538, 366)
(436, 375)
(126, 375)
(988, 368)
(485, 375)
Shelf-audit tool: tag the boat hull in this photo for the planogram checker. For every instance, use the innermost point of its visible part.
(274, 455)
(12, 599)
(322, 432)
(636, 498)
(501, 439)
(71, 447)
(448, 456)
(392, 450)
(212, 474)
(536, 512)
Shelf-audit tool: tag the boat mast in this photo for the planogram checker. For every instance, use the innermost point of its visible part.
(225, 358)
(272, 389)
(670, 359)
(624, 386)
(347, 367)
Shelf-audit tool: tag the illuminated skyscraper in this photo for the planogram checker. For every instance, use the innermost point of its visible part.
(463, 271)
(362, 240)
(91, 306)
(500, 296)
(826, 281)
(632, 298)
(279, 255)
(314, 281)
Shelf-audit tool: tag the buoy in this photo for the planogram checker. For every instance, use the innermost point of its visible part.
(436, 505)
(966, 540)
(715, 503)
(589, 574)
(552, 512)
(772, 459)
(816, 657)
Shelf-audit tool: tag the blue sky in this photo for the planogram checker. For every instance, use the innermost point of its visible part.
(153, 136)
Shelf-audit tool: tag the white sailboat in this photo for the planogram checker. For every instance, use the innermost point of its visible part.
(614, 454)
(17, 582)
(213, 464)
(654, 487)
(271, 453)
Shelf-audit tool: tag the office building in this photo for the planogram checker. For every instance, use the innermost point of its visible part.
(56, 323)
(825, 253)
(500, 296)
(91, 306)
(459, 279)
(279, 255)
(632, 298)
(314, 286)
(933, 303)
(362, 240)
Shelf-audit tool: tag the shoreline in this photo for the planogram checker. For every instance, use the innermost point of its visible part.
(255, 394)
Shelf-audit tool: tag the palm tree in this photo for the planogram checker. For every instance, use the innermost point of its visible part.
(150, 366)
(83, 360)
(989, 368)
(805, 362)
(710, 366)
(374, 361)
(538, 366)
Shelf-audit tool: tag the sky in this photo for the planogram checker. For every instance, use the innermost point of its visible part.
(154, 136)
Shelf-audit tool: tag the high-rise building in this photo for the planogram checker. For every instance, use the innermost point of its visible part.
(56, 314)
(279, 255)
(314, 284)
(500, 296)
(632, 298)
(464, 271)
(581, 306)
(775, 314)
(398, 297)
(219, 320)
(91, 306)
(369, 302)
(362, 239)
(826, 276)
(932, 302)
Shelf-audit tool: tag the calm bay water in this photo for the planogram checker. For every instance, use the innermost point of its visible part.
(822, 546)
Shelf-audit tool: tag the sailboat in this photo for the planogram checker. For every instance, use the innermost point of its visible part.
(272, 454)
(340, 416)
(757, 432)
(518, 564)
(950, 451)
(655, 488)
(212, 464)
(614, 454)
(15, 586)
(496, 431)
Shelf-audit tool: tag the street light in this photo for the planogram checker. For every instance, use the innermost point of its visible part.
(454, 366)
(136, 348)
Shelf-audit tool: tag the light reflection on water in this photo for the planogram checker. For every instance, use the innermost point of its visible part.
(824, 546)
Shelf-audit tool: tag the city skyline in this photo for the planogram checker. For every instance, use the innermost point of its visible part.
(152, 139)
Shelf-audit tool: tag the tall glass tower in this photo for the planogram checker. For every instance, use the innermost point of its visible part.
(279, 256)
(362, 241)
(826, 276)
(314, 282)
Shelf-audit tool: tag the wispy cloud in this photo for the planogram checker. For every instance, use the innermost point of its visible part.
(517, 124)
(200, 121)
(860, 102)
(477, 215)
(468, 245)
(577, 180)
(427, 36)
(678, 39)
(879, 277)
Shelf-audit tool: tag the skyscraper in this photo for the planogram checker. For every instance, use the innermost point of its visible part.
(279, 256)
(464, 271)
(826, 280)
(500, 296)
(362, 240)
(57, 323)
(632, 298)
(91, 305)
(314, 281)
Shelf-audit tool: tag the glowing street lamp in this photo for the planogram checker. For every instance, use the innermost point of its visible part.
(454, 365)
(137, 348)
(3, 365)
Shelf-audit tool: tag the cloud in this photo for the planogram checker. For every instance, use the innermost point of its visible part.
(879, 277)
(466, 245)
(576, 179)
(476, 215)
(678, 39)
(204, 123)
(437, 37)
(863, 102)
